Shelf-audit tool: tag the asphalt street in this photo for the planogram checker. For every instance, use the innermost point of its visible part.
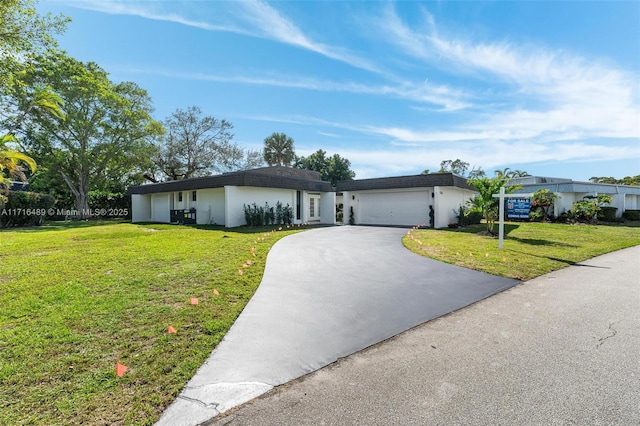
(562, 349)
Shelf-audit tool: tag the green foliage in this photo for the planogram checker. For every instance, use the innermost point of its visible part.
(278, 150)
(466, 216)
(105, 138)
(541, 204)
(25, 208)
(627, 180)
(457, 167)
(332, 169)
(587, 209)
(255, 215)
(484, 202)
(631, 214)
(608, 213)
(111, 202)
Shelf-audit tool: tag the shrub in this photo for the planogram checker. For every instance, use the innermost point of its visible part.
(631, 215)
(587, 209)
(25, 208)
(352, 220)
(255, 215)
(608, 213)
(109, 201)
(542, 203)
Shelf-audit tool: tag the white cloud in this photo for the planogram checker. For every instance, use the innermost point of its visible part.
(251, 18)
(448, 99)
(567, 95)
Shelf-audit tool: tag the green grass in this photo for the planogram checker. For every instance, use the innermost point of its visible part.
(530, 249)
(78, 297)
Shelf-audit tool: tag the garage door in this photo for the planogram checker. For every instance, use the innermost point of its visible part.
(394, 208)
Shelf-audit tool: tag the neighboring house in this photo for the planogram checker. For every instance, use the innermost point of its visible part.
(405, 200)
(625, 197)
(220, 199)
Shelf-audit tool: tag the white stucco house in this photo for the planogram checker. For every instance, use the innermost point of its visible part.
(220, 199)
(405, 200)
(625, 197)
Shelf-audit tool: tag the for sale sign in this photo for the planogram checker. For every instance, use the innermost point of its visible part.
(518, 208)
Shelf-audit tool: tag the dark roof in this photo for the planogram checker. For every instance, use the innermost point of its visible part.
(266, 177)
(416, 181)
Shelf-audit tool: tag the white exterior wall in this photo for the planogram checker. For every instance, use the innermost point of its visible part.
(210, 208)
(237, 196)
(631, 202)
(447, 201)
(617, 202)
(141, 208)
(328, 208)
(160, 206)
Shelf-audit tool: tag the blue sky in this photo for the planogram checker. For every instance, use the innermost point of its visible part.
(552, 88)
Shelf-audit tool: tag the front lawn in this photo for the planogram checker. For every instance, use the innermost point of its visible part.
(530, 249)
(78, 298)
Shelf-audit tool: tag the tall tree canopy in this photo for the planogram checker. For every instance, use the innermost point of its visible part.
(333, 169)
(627, 180)
(106, 135)
(278, 150)
(23, 34)
(198, 145)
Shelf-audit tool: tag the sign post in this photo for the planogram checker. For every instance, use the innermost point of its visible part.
(502, 196)
(501, 226)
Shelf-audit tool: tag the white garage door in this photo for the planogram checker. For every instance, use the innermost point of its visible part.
(394, 208)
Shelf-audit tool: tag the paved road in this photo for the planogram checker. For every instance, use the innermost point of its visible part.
(326, 293)
(561, 349)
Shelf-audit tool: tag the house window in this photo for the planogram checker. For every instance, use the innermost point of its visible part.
(194, 197)
(312, 207)
(298, 202)
(179, 197)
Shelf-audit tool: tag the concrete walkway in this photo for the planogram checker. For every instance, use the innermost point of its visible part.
(561, 349)
(326, 293)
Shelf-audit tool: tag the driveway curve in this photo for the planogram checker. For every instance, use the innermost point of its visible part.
(326, 293)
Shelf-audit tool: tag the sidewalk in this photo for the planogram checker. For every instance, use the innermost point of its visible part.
(563, 348)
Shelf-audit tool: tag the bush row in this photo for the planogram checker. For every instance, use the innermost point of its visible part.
(255, 215)
(23, 208)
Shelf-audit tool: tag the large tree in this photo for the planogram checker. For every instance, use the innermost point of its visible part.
(333, 169)
(278, 150)
(106, 134)
(23, 34)
(198, 145)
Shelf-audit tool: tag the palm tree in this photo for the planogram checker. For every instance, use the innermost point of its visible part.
(484, 202)
(278, 150)
(11, 163)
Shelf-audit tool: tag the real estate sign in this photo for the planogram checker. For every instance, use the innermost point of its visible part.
(518, 208)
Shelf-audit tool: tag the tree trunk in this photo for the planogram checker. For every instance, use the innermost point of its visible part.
(81, 193)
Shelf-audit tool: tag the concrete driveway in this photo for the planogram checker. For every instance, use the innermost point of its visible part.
(326, 293)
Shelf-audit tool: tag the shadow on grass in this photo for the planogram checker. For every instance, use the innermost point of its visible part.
(557, 259)
(478, 229)
(537, 242)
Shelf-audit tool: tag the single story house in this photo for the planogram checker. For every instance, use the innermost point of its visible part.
(625, 197)
(220, 199)
(405, 200)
